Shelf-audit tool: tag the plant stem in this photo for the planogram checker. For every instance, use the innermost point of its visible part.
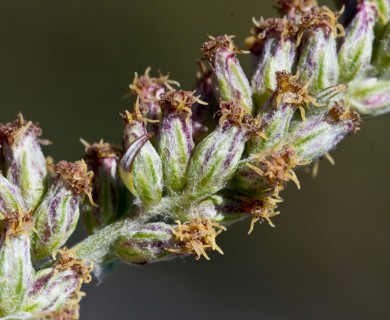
(97, 246)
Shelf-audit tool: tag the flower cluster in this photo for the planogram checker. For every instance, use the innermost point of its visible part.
(39, 210)
(191, 162)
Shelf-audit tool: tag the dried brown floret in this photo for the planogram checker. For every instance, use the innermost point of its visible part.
(235, 113)
(277, 167)
(70, 311)
(340, 113)
(76, 176)
(66, 259)
(148, 87)
(261, 209)
(179, 101)
(290, 7)
(290, 90)
(15, 224)
(211, 47)
(99, 150)
(321, 17)
(196, 237)
(137, 115)
(281, 27)
(10, 132)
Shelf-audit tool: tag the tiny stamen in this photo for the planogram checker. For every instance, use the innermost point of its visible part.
(196, 237)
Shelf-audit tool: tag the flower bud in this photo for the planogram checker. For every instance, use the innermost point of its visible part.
(318, 62)
(382, 52)
(16, 270)
(149, 90)
(370, 96)
(275, 128)
(278, 53)
(58, 214)
(10, 198)
(383, 7)
(315, 137)
(278, 111)
(216, 158)
(232, 83)
(102, 159)
(59, 285)
(356, 50)
(176, 143)
(146, 245)
(140, 167)
(24, 160)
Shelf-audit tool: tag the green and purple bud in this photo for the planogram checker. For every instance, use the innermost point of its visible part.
(382, 51)
(10, 198)
(276, 114)
(58, 214)
(16, 271)
(216, 158)
(24, 160)
(316, 136)
(370, 96)
(318, 62)
(383, 7)
(146, 244)
(176, 142)
(57, 286)
(356, 50)
(140, 167)
(278, 111)
(277, 38)
(102, 159)
(232, 83)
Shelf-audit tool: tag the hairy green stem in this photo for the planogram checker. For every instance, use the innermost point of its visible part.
(97, 246)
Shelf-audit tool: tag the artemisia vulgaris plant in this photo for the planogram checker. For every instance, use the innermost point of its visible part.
(192, 162)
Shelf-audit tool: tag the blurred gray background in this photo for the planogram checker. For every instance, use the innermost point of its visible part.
(67, 64)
